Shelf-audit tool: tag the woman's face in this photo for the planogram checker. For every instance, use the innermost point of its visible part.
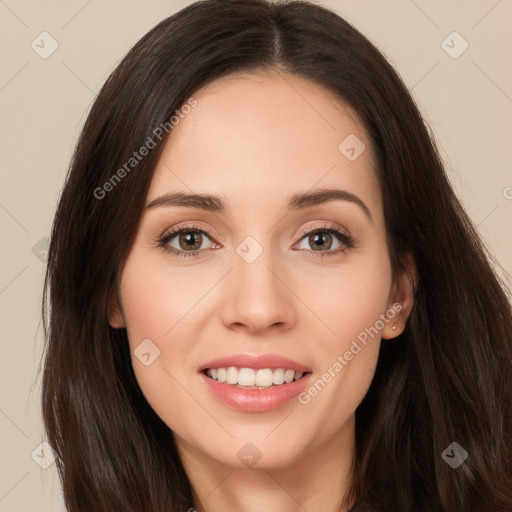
(271, 274)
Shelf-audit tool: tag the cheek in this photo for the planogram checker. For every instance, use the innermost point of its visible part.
(157, 304)
(346, 299)
(162, 306)
(351, 309)
(156, 297)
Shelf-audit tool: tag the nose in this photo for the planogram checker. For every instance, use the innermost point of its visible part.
(258, 297)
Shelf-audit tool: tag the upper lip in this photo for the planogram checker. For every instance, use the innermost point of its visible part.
(255, 362)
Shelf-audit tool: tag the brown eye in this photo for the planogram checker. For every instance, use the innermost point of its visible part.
(190, 240)
(325, 241)
(321, 240)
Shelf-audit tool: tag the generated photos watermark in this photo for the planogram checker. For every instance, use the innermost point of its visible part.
(158, 133)
(356, 346)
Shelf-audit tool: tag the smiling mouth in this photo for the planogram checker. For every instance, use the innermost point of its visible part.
(249, 378)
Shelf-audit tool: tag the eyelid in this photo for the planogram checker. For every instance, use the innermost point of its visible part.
(343, 236)
(192, 227)
(209, 232)
(163, 240)
(324, 225)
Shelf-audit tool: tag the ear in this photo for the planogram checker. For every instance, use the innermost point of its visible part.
(401, 297)
(115, 314)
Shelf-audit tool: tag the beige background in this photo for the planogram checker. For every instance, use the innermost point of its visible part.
(44, 101)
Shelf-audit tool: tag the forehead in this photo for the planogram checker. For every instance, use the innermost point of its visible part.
(264, 137)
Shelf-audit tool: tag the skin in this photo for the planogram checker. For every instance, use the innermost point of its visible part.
(255, 140)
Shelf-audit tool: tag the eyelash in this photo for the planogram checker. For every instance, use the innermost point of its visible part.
(345, 239)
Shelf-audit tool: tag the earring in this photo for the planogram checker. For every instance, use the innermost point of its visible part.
(394, 327)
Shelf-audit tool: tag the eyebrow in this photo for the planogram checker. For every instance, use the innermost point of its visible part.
(217, 204)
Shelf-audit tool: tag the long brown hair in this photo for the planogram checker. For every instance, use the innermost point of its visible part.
(445, 379)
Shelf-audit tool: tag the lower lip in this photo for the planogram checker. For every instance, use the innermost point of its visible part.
(255, 400)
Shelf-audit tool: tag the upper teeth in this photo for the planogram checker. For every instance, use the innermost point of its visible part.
(248, 377)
